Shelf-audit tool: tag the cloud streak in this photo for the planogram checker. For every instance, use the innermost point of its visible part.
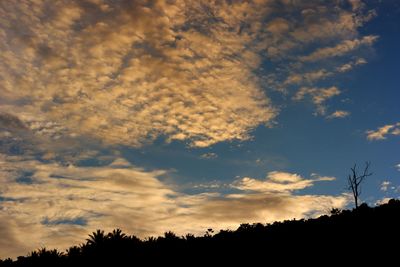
(318, 96)
(339, 114)
(383, 132)
(52, 205)
(340, 49)
(278, 182)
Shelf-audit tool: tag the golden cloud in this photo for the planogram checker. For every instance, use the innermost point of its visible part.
(384, 131)
(318, 96)
(53, 205)
(340, 49)
(278, 182)
(339, 114)
(127, 73)
(132, 71)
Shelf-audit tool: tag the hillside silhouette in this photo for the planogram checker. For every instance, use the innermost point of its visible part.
(356, 236)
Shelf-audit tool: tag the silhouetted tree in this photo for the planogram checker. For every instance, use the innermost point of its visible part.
(335, 211)
(355, 179)
(96, 239)
(116, 235)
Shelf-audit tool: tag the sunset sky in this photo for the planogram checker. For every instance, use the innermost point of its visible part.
(179, 115)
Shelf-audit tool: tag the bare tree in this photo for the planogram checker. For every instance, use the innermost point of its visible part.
(355, 179)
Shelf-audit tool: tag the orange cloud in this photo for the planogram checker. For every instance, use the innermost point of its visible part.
(339, 114)
(126, 74)
(184, 70)
(54, 205)
(382, 132)
(340, 49)
(318, 96)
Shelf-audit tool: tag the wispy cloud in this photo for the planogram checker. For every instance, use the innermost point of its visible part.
(308, 77)
(385, 185)
(209, 155)
(384, 131)
(318, 96)
(350, 65)
(278, 182)
(382, 201)
(38, 197)
(340, 49)
(52, 205)
(339, 114)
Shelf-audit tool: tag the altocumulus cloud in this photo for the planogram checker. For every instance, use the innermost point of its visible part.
(128, 72)
(383, 132)
(52, 205)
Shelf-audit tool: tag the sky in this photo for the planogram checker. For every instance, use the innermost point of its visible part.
(152, 116)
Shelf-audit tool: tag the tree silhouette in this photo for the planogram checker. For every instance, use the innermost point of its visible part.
(355, 179)
(96, 238)
(117, 235)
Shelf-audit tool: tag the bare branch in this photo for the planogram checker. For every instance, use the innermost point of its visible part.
(355, 179)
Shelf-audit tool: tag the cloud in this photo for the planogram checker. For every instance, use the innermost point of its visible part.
(311, 77)
(14, 135)
(42, 199)
(350, 65)
(10, 122)
(279, 182)
(161, 71)
(308, 77)
(10, 244)
(263, 207)
(162, 68)
(53, 205)
(340, 49)
(78, 76)
(385, 185)
(398, 167)
(318, 96)
(339, 114)
(210, 155)
(38, 140)
(382, 132)
(329, 22)
(278, 26)
(382, 201)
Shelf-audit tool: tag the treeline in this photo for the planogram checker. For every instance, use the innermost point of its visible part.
(358, 235)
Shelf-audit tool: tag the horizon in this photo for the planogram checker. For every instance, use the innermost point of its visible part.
(156, 116)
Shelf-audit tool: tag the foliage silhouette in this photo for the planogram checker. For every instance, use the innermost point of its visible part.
(362, 234)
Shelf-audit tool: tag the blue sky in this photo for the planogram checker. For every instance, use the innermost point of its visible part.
(177, 115)
(303, 143)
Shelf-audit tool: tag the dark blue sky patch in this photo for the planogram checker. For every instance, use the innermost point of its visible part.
(73, 221)
(25, 178)
(4, 199)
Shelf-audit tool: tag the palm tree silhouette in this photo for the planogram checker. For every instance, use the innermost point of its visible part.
(96, 238)
(249, 242)
(116, 235)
